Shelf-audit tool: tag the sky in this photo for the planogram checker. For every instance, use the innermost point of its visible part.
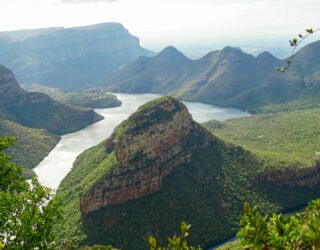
(172, 22)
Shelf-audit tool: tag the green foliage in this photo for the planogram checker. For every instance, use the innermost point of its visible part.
(32, 144)
(295, 42)
(27, 211)
(176, 242)
(296, 231)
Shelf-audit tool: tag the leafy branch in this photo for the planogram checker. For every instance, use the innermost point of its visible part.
(295, 42)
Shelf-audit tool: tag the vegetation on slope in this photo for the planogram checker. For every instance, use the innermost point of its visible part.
(95, 98)
(302, 103)
(287, 145)
(280, 140)
(32, 144)
(74, 184)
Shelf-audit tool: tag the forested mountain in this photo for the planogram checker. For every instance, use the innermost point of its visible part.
(68, 58)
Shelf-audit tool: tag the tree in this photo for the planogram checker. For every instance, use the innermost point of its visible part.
(295, 42)
(287, 232)
(28, 211)
(176, 242)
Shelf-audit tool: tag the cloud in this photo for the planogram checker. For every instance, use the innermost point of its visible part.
(88, 1)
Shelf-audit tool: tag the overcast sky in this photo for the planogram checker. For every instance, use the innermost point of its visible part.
(164, 22)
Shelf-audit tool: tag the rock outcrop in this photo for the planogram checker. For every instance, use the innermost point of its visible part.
(302, 177)
(147, 147)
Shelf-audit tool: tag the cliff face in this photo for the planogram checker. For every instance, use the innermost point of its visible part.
(146, 153)
(304, 177)
(69, 58)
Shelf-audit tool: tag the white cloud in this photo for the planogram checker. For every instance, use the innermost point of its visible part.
(164, 22)
(87, 1)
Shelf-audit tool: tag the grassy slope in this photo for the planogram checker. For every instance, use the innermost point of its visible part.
(285, 139)
(32, 144)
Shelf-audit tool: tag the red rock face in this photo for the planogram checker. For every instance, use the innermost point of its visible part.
(305, 177)
(144, 159)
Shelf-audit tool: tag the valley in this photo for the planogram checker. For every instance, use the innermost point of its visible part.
(123, 144)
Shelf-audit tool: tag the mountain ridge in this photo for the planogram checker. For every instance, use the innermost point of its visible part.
(227, 77)
(68, 57)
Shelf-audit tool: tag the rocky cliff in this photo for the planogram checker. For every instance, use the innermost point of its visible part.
(68, 58)
(301, 177)
(152, 145)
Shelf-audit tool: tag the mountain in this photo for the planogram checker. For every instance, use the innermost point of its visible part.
(68, 58)
(37, 110)
(215, 78)
(228, 77)
(159, 167)
(160, 74)
(300, 81)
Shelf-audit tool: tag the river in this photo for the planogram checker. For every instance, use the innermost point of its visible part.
(58, 163)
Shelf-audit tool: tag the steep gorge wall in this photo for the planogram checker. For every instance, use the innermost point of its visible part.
(304, 177)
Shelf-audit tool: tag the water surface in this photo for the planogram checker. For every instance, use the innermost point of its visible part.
(59, 162)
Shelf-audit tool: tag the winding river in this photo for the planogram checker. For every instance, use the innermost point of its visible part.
(59, 162)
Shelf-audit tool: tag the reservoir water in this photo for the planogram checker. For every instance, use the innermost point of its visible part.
(58, 163)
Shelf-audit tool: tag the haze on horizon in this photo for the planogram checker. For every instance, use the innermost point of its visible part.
(159, 23)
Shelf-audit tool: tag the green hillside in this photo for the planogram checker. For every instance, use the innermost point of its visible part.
(32, 144)
(285, 139)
